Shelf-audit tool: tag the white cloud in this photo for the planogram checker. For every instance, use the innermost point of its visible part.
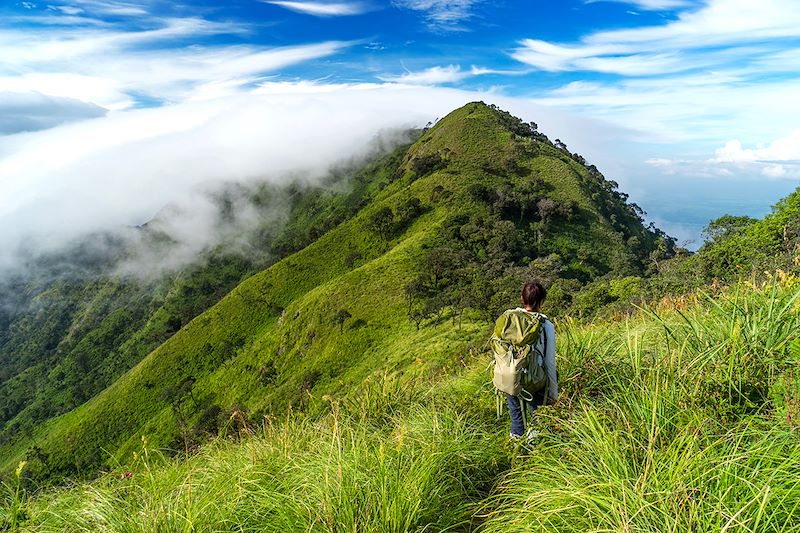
(443, 75)
(649, 5)
(112, 7)
(120, 170)
(322, 9)
(69, 10)
(441, 15)
(34, 48)
(117, 64)
(431, 76)
(693, 113)
(786, 149)
(101, 91)
(660, 162)
(779, 159)
(113, 67)
(774, 171)
(674, 45)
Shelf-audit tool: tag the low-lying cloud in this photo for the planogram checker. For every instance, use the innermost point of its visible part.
(120, 170)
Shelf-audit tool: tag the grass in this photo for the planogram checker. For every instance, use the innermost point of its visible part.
(414, 469)
(273, 341)
(673, 419)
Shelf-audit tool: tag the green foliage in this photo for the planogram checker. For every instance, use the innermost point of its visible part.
(656, 430)
(547, 208)
(672, 430)
(741, 246)
(81, 334)
(218, 351)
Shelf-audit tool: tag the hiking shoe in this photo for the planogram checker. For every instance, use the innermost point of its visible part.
(531, 435)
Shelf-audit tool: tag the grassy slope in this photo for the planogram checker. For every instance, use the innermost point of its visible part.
(273, 340)
(658, 429)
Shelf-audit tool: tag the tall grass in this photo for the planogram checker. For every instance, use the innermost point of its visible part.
(417, 469)
(677, 428)
(677, 419)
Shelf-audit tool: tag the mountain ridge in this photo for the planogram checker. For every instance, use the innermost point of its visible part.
(306, 326)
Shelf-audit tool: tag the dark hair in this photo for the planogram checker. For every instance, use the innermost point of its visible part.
(533, 294)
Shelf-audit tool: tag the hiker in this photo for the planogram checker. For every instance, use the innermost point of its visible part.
(543, 353)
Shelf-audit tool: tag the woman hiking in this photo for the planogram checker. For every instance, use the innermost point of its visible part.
(544, 353)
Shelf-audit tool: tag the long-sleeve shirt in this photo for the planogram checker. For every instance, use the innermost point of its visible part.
(548, 357)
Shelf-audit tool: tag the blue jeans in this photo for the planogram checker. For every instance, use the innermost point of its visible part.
(515, 410)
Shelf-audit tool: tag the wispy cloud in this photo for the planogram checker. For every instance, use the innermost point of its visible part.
(116, 66)
(722, 29)
(702, 110)
(688, 85)
(116, 80)
(440, 75)
(112, 7)
(650, 5)
(322, 9)
(431, 76)
(441, 15)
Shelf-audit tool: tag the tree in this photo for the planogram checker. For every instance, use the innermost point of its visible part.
(340, 318)
(726, 226)
(382, 221)
(426, 164)
(408, 211)
(660, 253)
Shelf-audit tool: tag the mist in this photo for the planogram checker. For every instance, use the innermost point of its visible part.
(165, 166)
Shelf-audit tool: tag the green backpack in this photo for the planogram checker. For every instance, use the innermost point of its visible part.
(518, 369)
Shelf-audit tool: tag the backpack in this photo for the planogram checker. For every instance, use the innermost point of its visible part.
(518, 368)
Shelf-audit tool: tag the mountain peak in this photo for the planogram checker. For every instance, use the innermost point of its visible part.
(469, 137)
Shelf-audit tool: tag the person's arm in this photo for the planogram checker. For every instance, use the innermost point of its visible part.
(550, 363)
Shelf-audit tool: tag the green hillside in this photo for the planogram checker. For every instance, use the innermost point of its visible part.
(441, 233)
(343, 387)
(680, 418)
(71, 323)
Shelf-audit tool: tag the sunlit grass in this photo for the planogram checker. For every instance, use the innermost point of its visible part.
(675, 419)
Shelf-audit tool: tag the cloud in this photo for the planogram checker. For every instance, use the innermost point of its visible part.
(676, 45)
(778, 160)
(119, 65)
(649, 5)
(431, 76)
(784, 149)
(692, 114)
(115, 69)
(443, 75)
(660, 162)
(69, 10)
(441, 15)
(322, 9)
(111, 7)
(774, 171)
(33, 111)
(118, 171)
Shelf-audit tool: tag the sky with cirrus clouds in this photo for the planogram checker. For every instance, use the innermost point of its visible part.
(111, 109)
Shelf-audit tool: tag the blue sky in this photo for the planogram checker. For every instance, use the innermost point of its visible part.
(691, 105)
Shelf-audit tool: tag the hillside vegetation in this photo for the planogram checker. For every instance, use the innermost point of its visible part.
(445, 228)
(340, 384)
(683, 417)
